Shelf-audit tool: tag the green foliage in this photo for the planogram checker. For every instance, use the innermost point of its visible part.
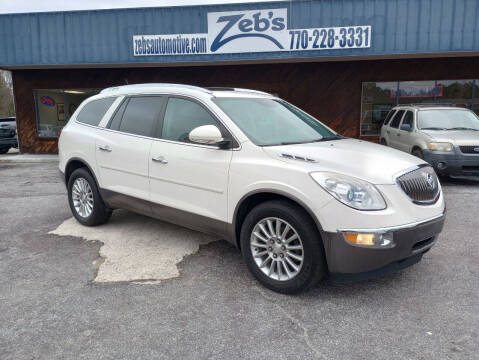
(7, 106)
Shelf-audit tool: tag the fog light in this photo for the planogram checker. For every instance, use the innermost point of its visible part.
(441, 165)
(373, 240)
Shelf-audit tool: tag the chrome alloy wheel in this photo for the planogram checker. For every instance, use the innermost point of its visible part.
(277, 249)
(82, 196)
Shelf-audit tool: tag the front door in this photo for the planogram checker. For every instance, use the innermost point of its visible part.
(404, 139)
(184, 176)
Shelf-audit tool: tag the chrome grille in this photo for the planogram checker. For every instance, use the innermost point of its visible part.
(470, 149)
(421, 185)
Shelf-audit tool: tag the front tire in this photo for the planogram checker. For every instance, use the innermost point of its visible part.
(418, 153)
(282, 247)
(4, 150)
(84, 199)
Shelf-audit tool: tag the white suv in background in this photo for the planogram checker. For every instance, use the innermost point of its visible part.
(299, 200)
(444, 136)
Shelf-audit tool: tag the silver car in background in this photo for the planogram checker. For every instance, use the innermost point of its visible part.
(444, 136)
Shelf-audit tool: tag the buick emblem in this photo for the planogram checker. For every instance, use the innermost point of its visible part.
(429, 181)
(476, 149)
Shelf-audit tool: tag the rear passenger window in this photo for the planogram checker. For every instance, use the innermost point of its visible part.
(116, 120)
(181, 117)
(389, 116)
(397, 119)
(141, 115)
(93, 112)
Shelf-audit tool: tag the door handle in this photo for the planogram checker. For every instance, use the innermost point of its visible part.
(398, 134)
(104, 148)
(160, 159)
(388, 131)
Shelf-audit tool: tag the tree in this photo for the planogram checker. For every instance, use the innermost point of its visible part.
(7, 107)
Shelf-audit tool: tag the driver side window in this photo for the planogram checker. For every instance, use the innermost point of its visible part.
(181, 117)
(408, 119)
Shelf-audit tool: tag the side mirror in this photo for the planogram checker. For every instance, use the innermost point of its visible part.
(406, 127)
(209, 135)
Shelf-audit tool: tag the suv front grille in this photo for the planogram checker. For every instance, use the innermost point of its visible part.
(420, 185)
(470, 149)
(7, 133)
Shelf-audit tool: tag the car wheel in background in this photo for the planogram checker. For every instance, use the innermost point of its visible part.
(418, 153)
(84, 199)
(383, 142)
(282, 247)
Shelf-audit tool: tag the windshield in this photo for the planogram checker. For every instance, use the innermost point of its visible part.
(274, 122)
(447, 120)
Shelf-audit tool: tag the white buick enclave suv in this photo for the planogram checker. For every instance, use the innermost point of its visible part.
(299, 200)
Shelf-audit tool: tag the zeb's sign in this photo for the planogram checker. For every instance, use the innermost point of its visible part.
(252, 31)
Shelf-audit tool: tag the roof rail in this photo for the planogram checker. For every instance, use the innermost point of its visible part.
(220, 88)
(428, 104)
(154, 85)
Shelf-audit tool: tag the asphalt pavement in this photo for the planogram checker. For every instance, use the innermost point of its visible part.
(53, 307)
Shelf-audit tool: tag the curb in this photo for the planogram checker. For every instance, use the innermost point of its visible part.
(28, 159)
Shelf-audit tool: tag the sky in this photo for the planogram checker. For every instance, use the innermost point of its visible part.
(16, 6)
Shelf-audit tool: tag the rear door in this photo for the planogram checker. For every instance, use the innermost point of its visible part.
(185, 176)
(123, 149)
(393, 129)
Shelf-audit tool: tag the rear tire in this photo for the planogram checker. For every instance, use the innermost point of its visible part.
(418, 153)
(288, 275)
(383, 142)
(85, 200)
(4, 150)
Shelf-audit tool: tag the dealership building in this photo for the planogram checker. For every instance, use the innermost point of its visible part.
(347, 62)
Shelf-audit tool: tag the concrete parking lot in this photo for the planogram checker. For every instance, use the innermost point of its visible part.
(161, 292)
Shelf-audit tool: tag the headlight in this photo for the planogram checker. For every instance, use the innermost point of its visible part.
(439, 146)
(352, 192)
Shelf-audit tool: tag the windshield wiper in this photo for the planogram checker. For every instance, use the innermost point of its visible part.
(462, 128)
(293, 142)
(328, 138)
(433, 128)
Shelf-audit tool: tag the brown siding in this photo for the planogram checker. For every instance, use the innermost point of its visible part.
(330, 91)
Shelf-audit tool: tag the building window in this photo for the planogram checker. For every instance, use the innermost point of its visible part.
(54, 107)
(378, 98)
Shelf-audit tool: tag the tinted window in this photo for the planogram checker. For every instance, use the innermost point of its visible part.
(397, 119)
(181, 117)
(390, 115)
(408, 118)
(93, 112)
(141, 115)
(116, 120)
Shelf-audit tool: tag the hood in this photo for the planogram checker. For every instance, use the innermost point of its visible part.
(456, 137)
(365, 160)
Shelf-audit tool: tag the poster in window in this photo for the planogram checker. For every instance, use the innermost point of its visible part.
(61, 112)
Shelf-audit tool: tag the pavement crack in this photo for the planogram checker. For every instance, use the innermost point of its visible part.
(305, 336)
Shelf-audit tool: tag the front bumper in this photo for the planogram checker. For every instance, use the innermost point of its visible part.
(453, 163)
(13, 142)
(411, 241)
